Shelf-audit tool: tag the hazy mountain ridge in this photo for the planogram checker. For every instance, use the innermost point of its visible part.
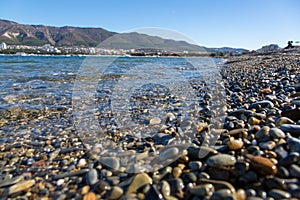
(35, 35)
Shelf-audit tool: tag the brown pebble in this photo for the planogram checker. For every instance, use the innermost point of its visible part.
(90, 196)
(85, 189)
(235, 144)
(262, 165)
(20, 186)
(177, 172)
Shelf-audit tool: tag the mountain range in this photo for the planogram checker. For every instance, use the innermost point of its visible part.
(13, 33)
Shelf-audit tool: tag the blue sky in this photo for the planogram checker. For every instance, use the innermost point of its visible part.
(211, 23)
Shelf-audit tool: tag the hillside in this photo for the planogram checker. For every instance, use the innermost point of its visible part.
(37, 35)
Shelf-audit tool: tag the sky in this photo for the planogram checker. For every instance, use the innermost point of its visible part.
(246, 24)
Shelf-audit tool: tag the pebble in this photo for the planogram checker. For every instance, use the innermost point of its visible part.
(234, 144)
(115, 193)
(155, 120)
(90, 196)
(177, 172)
(176, 185)
(264, 131)
(222, 194)
(92, 177)
(291, 128)
(262, 165)
(295, 171)
(111, 162)
(195, 165)
(221, 160)
(82, 162)
(283, 120)
(269, 145)
(138, 181)
(20, 186)
(294, 144)
(279, 194)
(11, 181)
(276, 133)
(165, 188)
(169, 153)
(203, 190)
(70, 174)
(60, 182)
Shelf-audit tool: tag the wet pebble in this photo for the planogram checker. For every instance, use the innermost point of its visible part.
(169, 153)
(234, 144)
(221, 160)
(195, 165)
(279, 194)
(138, 181)
(276, 133)
(20, 186)
(262, 165)
(115, 193)
(92, 177)
(269, 145)
(222, 194)
(111, 162)
(203, 190)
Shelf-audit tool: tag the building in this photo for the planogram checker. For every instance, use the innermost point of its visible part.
(3, 46)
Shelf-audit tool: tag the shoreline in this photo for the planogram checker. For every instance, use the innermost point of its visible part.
(256, 154)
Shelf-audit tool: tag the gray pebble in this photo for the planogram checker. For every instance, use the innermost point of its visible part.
(92, 177)
(269, 145)
(195, 165)
(295, 171)
(111, 162)
(279, 194)
(170, 153)
(276, 133)
(221, 160)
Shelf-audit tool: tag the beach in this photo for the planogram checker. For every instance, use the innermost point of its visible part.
(255, 153)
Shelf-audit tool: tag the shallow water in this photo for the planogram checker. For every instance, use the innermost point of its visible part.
(47, 83)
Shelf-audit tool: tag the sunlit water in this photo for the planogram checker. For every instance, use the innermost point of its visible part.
(47, 83)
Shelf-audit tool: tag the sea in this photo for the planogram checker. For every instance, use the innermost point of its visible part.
(48, 93)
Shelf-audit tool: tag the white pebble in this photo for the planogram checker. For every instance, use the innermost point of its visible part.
(60, 182)
(82, 162)
(254, 142)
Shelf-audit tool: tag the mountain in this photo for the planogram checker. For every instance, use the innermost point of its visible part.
(14, 33)
(37, 35)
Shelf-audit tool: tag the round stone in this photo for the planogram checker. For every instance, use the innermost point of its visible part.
(221, 160)
(155, 120)
(195, 165)
(92, 177)
(203, 190)
(276, 133)
(177, 172)
(269, 145)
(115, 193)
(235, 144)
(169, 153)
(110, 162)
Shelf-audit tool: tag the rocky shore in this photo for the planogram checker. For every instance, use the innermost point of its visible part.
(256, 155)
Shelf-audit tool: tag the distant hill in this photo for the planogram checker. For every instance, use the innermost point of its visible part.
(36, 35)
(228, 50)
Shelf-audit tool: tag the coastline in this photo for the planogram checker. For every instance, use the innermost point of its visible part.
(255, 157)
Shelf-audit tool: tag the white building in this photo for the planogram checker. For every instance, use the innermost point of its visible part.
(3, 46)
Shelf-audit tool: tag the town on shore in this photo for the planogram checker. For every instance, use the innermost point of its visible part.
(48, 49)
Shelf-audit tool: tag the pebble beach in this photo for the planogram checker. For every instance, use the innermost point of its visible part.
(256, 154)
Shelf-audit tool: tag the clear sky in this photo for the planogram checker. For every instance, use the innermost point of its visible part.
(211, 23)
